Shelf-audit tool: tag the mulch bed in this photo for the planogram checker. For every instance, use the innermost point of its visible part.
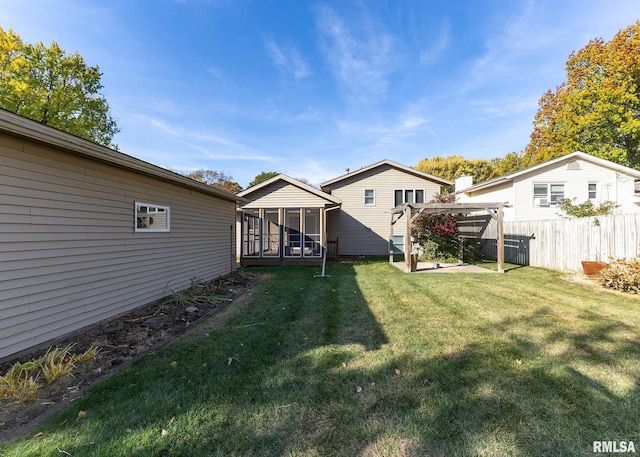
(121, 342)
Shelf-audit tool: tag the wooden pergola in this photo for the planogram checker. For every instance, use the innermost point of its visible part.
(410, 211)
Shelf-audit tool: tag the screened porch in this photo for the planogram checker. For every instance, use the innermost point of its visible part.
(282, 235)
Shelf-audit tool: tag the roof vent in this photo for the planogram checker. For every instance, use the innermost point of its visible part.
(573, 165)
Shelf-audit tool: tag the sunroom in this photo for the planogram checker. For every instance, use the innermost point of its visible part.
(284, 223)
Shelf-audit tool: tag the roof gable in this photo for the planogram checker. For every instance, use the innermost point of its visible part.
(328, 184)
(559, 161)
(282, 178)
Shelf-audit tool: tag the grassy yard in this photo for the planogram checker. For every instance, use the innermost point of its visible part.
(376, 362)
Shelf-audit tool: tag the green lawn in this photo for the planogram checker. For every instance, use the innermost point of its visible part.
(376, 362)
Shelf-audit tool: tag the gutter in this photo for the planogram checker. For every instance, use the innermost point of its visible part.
(27, 129)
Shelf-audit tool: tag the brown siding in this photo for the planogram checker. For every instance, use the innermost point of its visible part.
(364, 229)
(69, 256)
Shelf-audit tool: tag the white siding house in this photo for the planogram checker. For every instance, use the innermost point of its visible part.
(532, 193)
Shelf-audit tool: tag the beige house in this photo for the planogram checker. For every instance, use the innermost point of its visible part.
(88, 233)
(363, 223)
(532, 193)
(284, 222)
(287, 221)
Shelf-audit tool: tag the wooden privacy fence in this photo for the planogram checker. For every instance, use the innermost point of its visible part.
(560, 244)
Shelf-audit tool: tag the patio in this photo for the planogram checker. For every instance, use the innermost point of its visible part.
(429, 267)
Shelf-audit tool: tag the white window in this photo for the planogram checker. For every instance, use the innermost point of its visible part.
(369, 197)
(398, 244)
(547, 194)
(593, 190)
(151, 218)
(401, 196)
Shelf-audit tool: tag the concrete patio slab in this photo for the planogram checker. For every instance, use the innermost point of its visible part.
(428, 267)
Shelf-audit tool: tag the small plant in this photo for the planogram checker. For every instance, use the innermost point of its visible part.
(18, 384)
(56, 363)
(622, 275)
(87, 356)
(198, 292)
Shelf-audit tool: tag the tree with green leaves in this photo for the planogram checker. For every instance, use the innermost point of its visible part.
(55, 88)
(596, 110)
(263, 176)
(216, 179)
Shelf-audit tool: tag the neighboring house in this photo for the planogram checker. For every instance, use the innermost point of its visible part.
(284, 222)
(532, 193)
(363, 223)
(287, 221)
(88, 233)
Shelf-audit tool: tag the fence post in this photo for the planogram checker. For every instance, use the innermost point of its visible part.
(500, 223)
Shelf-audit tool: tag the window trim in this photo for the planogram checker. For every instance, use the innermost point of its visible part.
(373, 197)
(597, 191)
(166, 209)
(548, 185)
(413, 190)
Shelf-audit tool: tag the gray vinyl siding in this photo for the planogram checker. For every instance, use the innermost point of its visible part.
(364, 229)
(281, 194)
(69, 255)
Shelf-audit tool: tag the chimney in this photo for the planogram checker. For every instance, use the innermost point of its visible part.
(463, 182)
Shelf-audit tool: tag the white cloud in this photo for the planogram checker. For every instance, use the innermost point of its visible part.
(360, 53)
(436, 49)
(288, 59)
(220, 147)
(512, 39)
(410, 124)
(162, 126)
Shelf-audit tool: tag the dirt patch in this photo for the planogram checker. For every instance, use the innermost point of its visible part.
(120, 341)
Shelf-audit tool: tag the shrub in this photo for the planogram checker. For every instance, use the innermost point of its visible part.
(622, 274)
(18, 384)
(56, 363)
(586, 209)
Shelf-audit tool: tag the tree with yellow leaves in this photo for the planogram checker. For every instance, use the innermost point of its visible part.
(597, 110)
(454, 166)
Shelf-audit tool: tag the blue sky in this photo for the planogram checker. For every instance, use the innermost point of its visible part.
(310, 88)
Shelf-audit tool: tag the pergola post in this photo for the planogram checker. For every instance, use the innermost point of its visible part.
(391, 239)
(494, 209)
(500, 247)
(407, 239)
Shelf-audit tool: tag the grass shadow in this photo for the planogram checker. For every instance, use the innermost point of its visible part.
(371, 362)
